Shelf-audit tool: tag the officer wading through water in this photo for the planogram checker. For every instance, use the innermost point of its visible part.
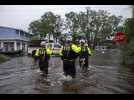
(44, 55)
(84, 53)
(68, 54)
(35, 57)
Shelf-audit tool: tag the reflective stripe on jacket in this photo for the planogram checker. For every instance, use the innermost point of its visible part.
(74, 48)
(48, 52)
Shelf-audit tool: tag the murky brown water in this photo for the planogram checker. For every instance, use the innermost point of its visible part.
(105, 75)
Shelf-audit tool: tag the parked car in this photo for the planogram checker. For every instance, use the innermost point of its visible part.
(55, 47)
(31, 49)
(100, 48)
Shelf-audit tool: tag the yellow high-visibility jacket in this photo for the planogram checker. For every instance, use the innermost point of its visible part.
(74, 47)
(48, 52)
(88, 49)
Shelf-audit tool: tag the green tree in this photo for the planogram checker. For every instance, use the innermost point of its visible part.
(96, 25)
(37, 29)
(72, 22)
(127, 49)
(49, 23)
(58, 28)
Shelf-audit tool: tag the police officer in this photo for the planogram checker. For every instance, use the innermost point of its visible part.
(84, 53)
(44, 55)
(34, 57)
(68, 54)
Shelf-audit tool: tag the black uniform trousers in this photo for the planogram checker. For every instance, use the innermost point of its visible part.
(43, 66)
(69, 68)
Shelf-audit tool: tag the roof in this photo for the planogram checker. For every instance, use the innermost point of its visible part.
(14, 29)
(8, 33)
(13, 39)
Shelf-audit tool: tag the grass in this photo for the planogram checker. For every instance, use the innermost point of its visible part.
(3, 58)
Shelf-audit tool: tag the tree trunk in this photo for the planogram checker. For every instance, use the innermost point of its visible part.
(94, 41)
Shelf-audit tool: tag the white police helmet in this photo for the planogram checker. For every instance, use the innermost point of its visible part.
(43, 43)
(86, 44)
(82, 41)
(69, 38)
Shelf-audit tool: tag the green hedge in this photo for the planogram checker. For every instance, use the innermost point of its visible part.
(3, 58)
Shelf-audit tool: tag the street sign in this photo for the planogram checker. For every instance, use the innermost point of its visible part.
(120, 37)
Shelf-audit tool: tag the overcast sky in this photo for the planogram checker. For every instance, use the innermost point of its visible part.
(20, 16)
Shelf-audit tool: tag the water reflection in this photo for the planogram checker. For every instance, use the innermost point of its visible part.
(105, 75)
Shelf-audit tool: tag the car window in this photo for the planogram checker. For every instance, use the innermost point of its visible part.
(57, 46)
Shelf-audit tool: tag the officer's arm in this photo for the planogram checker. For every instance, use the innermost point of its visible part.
(60, 52)
(76, 49)
(37, 53)
(89, 51)
(49, 51)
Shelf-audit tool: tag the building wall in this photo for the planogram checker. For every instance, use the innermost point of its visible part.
(13, 46)
(9, 33)
(13, 40)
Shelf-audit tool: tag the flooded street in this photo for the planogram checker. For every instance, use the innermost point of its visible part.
(105, 75)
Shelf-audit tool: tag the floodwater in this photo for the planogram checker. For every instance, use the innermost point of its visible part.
(105, 76)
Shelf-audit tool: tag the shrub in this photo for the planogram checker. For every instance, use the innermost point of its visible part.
(3, 58)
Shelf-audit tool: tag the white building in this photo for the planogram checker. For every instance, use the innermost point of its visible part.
(13, 40)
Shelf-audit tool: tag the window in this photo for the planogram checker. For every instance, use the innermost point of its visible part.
(18, 46)
(57, 46)
(11, 46)
(8, 46)
(21, 33)
(17, 32)
(23, 46)
(5, 46)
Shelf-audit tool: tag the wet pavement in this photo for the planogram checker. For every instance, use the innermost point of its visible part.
(105, 76)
